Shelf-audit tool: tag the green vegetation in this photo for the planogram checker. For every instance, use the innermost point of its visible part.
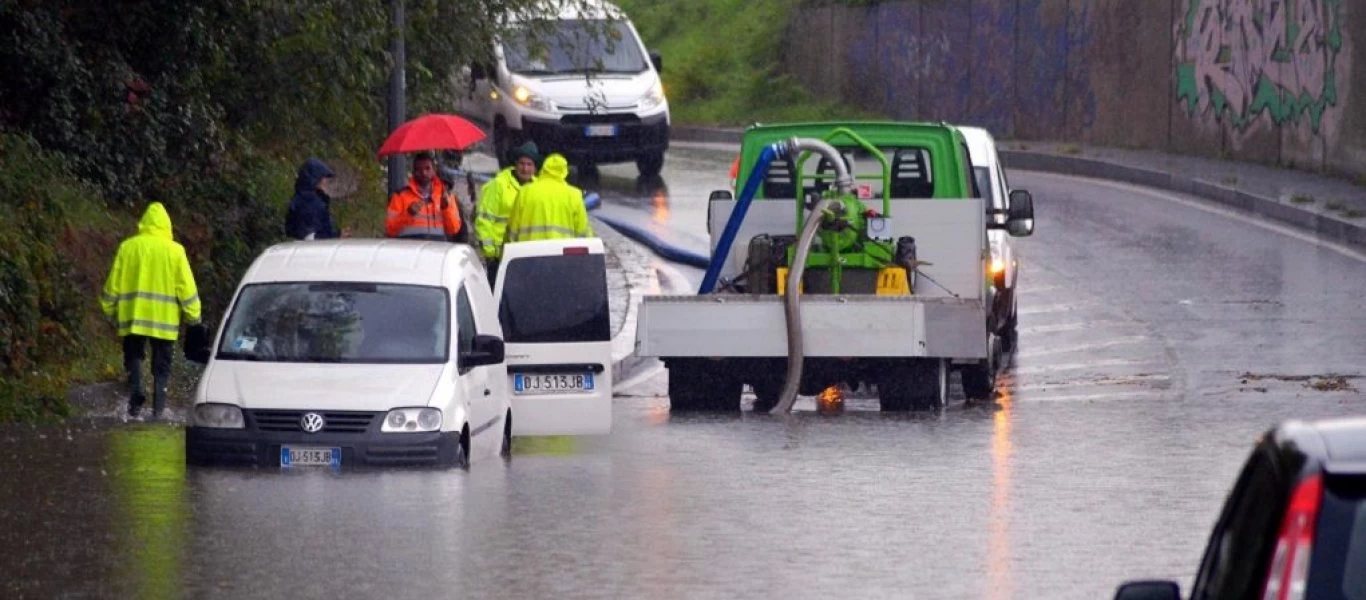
(206, 106)
(722, 61)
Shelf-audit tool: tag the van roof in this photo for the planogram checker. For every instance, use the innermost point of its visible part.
(979, 145)
(580, 9)
(415, 262)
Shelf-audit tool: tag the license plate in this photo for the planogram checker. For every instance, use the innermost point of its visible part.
(600, 130)
(529, 384)
(309, 456)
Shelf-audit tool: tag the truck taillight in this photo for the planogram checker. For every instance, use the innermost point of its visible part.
(575, 250)
(1289, 572)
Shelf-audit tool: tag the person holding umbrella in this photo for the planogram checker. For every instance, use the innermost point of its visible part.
(425, 208)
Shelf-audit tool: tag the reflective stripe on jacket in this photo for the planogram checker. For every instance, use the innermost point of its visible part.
(150, 285)
(548, 208)
(438, 219)
(496, 199)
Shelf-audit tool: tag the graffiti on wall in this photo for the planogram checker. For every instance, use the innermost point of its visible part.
(1245, 60)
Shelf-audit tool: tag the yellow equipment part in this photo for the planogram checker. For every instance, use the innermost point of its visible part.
(891, 281)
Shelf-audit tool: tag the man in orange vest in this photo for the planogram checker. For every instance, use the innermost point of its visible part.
(424, 209)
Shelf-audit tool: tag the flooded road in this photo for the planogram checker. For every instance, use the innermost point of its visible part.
(1157, 341)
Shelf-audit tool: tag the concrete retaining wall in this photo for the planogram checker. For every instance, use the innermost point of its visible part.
(1271, 81)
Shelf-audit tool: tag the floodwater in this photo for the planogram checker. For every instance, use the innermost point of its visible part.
(1157, 341)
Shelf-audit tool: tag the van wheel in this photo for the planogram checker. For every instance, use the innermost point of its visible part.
(703, 386)
(767, 391)
(462, 450)
(506, 451)
(650, 164)
(918, 384)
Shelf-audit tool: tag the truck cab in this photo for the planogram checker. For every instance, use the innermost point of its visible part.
(576, 80)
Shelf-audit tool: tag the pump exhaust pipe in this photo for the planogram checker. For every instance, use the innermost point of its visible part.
(844, 183)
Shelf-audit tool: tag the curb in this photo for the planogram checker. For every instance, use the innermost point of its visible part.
(1326, 227)
(706, 135)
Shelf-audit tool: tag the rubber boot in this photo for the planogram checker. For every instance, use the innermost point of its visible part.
(136, 398)
(159, 396)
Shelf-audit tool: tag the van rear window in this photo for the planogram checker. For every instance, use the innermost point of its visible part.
(549, 299)
(1336, 567)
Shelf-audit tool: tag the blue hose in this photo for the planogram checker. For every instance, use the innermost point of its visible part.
(737, 216)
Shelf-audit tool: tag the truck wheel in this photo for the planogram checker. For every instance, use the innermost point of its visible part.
(920, 384)
(650, 164)
(767, 391)
(703, 386)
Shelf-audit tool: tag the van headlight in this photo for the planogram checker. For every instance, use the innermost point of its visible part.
(531, 99)
(219, 416)
(654, 97)
(412, 420)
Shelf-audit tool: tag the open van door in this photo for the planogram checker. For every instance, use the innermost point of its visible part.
(552, 303)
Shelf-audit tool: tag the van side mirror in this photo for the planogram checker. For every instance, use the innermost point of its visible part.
(478, 71)
(488, 350)
(1020, 217)
(1149, 590)
(197, 342)
(657, 61)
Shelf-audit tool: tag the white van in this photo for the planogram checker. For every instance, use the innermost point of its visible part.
(581, 84)
(355, 352)
(991, 182)
(557, 326)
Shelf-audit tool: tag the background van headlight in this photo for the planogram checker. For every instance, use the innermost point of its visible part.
(654, 97)
(218, 416)
(528, 98)
(405, 420)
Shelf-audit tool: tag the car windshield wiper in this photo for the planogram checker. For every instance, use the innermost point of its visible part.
(534, 72)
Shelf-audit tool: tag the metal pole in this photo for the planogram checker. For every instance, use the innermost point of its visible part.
(397, 101)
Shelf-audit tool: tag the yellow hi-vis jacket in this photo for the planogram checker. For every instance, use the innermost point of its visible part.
(548, 208)
(496, 199)
(150, 284)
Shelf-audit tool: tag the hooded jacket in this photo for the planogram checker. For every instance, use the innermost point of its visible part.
(310, 209)
(549, 208)
(496, 199)
(150, 285)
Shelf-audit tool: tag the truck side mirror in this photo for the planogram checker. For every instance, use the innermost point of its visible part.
(657, 61)
(488, 350)
(197, 342)
(716, 195)
(1148, 590)
(1020, 217)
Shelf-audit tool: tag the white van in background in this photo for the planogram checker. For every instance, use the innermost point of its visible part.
(581, 84)
(557, 328)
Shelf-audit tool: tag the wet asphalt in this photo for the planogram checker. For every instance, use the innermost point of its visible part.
(1159, 337)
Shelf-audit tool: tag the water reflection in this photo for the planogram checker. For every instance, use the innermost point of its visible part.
(1000, 573)
(147, 466)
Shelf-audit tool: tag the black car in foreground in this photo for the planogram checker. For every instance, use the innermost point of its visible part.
(1294, 526)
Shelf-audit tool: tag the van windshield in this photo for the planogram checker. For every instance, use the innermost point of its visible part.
(548, 299)
(338, 323)
(573, 46)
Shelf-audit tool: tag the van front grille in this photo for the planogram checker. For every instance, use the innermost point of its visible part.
(333, 422)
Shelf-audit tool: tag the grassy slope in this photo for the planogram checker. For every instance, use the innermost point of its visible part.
(722, 61)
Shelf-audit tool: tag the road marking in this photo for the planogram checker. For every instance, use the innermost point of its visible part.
(1139, 379)
(1028, 353)
(1143, 395)
(1080, 366)
(1063, 327)
(1044, 309)
(1209, 207)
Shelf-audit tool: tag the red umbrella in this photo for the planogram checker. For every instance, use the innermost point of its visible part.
(432, 132)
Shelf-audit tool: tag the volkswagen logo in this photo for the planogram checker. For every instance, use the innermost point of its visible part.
(312, 422)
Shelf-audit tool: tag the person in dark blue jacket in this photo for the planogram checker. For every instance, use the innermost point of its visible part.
(310, 213)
